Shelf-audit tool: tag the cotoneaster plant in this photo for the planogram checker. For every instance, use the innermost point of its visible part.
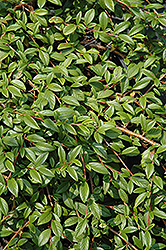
(82, 125)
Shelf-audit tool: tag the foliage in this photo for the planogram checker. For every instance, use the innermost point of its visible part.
(82, 125)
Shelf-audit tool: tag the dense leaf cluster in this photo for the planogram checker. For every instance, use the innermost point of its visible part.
(82, 125)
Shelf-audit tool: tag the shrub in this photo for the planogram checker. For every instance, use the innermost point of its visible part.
(83, 138)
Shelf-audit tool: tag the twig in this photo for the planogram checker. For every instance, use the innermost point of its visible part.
(118, 157)
(32, 85)
(91, 183)
(49, 196)
(137, 135)
(83, 164)
(120, 236)
(4, 219)
(16, 234)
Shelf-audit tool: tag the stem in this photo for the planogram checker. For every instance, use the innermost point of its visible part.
(118, 157)
(137, 135)
(128, 243)
(16, 234)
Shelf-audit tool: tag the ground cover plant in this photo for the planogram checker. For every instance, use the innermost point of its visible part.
(82, 125)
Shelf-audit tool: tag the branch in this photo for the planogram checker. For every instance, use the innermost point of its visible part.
(137, 135)
(16, 234)
(120, 236)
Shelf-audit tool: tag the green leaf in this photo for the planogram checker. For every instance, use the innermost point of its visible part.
(57, 228)
(80, 227)
(29, 121)
(131, 151)
(14, 91)
(141, 83)
(41, 12)
(3, 206)
(44, 57)
(74, 153)
(41, 3)
(158, 181)
(123, 195)
(13, 186)
(121, 27)
(61, 154)
(148, 239)
(109, 4)
(35, 176)
(140, 198)
(72, 172)
(159, 213)
(129, 229)
(132, 70)
(44, 237)
(70, 100)
(95, 209)
(89, 15)
(98, 167)
(103, 20)
(43, 146)
(50, 98)
(9, 165)
(84, 191)
(126, 39)
(69, 29)
(57, 2)
(84, 244)
(44, 218)
(70, 129)
(71, 221)
(19, 84)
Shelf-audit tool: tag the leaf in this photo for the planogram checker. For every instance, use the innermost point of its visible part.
(71, 171)
(158, 181)
(84, 191)
(140, 198)
(70, 100)
(131, 151)
(61, 154)
(35, 176)
(121, 27)
(3, 206)
(13, 186)
(159, 213)
(75, 152)
(80, 227)
(69, 29)
(148, 239)
(44, 218)
(50, 98)
(44, 57)
(132, 70)
(89, 15)
(14, 91)
(109, 4)
(44, 237)
(70, 129)
(30, 122)
(41, 3)
(98, 167)
(57, 228)
(129, 229)
(123, 195)
(43, 146)
(84, 244)
(71, 221)
(126, 39)
(95, 209)
(141, 84)
(103, 20)
(57, 2)
(9, 165)
(19, 84)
